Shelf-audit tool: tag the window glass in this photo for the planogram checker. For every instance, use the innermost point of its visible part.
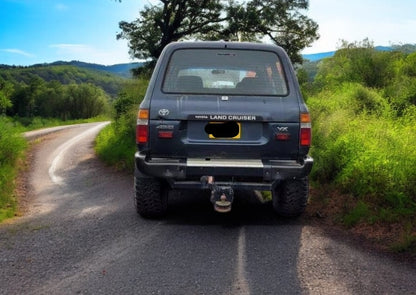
(225, 71)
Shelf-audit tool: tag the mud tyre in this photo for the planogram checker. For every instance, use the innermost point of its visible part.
(151, 197)
(290, 197)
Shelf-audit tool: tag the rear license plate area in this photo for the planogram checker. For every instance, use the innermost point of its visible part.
(223, 130)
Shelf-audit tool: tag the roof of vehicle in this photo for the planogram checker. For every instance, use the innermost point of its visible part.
(223, 44)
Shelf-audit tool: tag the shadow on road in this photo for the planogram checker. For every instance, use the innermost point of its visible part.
(193, 207)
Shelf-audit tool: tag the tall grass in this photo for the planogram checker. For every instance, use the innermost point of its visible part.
(366, 150)
(12, 146)
(116, 143)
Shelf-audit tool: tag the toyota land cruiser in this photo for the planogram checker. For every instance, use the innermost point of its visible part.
(222, 116)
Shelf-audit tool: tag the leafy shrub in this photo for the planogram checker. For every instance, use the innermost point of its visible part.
(402, 93)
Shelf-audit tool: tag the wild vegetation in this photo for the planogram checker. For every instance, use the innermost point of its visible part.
(363, 105)
(64, 92)
(65, 74)
(116, 143)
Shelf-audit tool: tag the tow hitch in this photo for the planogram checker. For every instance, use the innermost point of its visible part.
(221, 196)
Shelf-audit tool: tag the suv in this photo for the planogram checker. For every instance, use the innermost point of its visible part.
(222, 116)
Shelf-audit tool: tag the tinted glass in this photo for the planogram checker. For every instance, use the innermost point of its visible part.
(225, 71)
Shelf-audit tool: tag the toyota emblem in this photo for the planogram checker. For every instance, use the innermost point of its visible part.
(163, 112)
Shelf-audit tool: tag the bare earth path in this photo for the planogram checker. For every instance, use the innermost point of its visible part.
(81, 235)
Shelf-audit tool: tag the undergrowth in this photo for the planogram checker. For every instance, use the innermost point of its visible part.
(366, 152)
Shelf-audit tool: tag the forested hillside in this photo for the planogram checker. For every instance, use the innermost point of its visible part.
(64, 74)
(56, 91)
(123, 70)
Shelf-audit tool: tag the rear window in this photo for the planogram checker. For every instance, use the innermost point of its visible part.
(225, 71)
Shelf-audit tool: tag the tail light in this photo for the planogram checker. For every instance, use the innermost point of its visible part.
(142, 127)
(305, 129)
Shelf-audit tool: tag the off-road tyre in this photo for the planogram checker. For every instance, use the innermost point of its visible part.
(151, 197)
(290, 197)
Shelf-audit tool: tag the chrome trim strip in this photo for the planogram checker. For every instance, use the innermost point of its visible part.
(242, 163)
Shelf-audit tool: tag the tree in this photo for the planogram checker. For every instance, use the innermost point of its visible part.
(50, 102)
(159, 25)
(83, 101)
(281, 21)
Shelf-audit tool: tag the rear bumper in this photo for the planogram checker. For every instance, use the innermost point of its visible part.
(178, 171)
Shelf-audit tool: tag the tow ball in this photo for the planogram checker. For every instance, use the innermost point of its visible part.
(221, 196)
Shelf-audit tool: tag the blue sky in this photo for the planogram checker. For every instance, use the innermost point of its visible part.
(38, 31)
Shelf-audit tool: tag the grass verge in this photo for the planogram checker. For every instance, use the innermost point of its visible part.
(365, 150)
(12, 147)
(28, 124)
(116, 145)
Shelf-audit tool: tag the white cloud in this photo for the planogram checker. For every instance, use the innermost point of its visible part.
(83, 52)
(18, 51)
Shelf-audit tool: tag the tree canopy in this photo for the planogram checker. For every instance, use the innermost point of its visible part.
(280, 21)
(159, 25)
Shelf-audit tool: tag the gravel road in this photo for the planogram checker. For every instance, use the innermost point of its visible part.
(82, 236)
